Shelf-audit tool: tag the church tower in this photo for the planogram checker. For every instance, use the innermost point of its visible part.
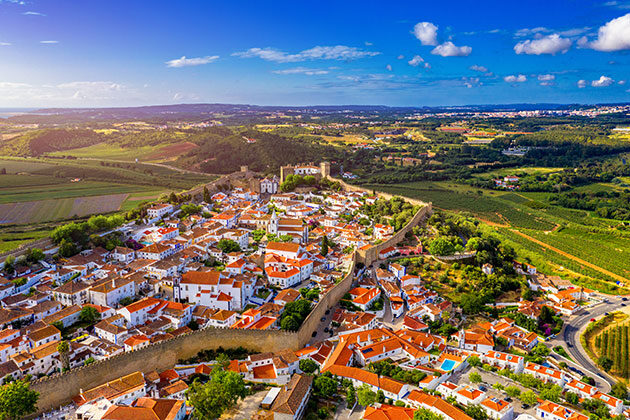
(272, 228)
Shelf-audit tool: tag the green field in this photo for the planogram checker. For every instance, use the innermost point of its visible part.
(10, 240)
(109, 152)
(35, 191)
(575, 232)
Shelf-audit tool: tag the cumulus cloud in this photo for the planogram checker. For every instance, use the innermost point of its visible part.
(400, 57)
(581, 83)
(613, 36)
(415, 61)
(302, 70)
(480, 69)
(338, 52)
(546, 79)
(448, 49)
(426, 32)
(389, 67)
(603, 81)
(193, 61)
(550, 44)
(515, 79)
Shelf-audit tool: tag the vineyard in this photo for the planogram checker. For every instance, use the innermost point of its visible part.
(613, 344)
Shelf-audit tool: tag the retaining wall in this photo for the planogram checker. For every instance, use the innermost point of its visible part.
(60, 388)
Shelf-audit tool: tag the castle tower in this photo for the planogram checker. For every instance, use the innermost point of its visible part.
(284, 171)
(325, 169)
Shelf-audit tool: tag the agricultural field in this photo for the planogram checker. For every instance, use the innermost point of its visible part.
(613, 343)
(590, 251)
(65, 208)
(107, 151)
(12, 239)
(346, 139)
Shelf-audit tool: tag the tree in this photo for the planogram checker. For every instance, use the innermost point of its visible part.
(528, 397)
(474, 361)
(572, 398)
(620, 390)
(424, 414)
(228, 245)
(513, 391)
(64, 353)
(67, 248)
(351, 396)
(17, 400)
(34, 254)
(324, 247)
(221, 392)
(380, 396)
(325, 386)
(474, 377)
(365, 395)
(289, 323)
(476, 412)
(9, 264)
(605, 362)
(471, 303)
(308, 366)
(89, 315)
(206, 195)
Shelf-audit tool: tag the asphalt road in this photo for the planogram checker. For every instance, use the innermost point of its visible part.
(569, 338)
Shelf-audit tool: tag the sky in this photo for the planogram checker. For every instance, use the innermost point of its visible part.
(67, 53)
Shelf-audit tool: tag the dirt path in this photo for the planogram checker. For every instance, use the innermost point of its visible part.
(572, 257)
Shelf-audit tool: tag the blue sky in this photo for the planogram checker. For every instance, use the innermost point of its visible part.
(124, 53)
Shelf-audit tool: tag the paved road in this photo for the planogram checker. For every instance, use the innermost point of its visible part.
(569, 338)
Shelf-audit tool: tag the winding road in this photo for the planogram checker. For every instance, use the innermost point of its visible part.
(569, 338)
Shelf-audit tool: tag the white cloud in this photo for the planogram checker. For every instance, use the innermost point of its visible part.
(196, 61)
(521, 33)
(582, 83)
(546, 79)
(426, 32)
(471, 82)
(389, 67)
(33, 14)
(603, 81)
(416, 61)
(368, 44)
(338, 52)
(302, 70)
(49, 42)
(400, 57)
(613, 36)
(480, 69)
(4, 44)
(551, 44)
(515, 79)
(448, 49)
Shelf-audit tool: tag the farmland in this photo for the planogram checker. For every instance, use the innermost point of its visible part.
(611, 342)
(520, 219)
(107, 151)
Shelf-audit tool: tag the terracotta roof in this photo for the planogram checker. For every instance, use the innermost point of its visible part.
(290, 398)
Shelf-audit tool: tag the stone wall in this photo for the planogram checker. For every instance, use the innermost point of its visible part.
(59, 389)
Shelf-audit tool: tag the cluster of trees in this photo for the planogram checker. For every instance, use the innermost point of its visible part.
(546, 324)
(221, 392)
(73, 235)
(228, 245)
(17, 400)
(396, 211)
(32, 256)
(291, 182)
(607, 204)
(386, 368)
(294, 314)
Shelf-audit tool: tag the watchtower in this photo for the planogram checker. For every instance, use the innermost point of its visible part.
(324, 168)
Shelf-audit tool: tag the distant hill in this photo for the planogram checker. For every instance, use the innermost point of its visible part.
(39, 142)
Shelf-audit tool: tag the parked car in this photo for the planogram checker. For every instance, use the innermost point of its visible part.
(624, 299)
(314, 334)
(592, 319)
(323, 319)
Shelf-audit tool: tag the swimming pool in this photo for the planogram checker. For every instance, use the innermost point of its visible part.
(447, 365)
